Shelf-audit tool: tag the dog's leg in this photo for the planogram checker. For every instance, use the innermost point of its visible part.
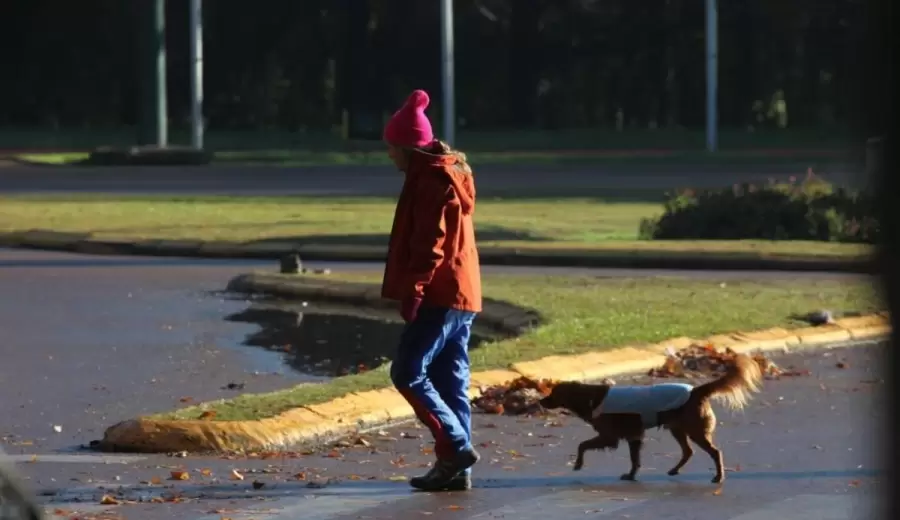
(634, 450)
(597, 443)
(686, 450)
(706, 444)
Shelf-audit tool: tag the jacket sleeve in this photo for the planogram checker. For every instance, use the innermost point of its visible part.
(429, 229)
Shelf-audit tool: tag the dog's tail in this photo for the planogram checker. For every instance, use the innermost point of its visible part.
(734, 388)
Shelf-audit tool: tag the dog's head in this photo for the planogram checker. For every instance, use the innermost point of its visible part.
(578, 398)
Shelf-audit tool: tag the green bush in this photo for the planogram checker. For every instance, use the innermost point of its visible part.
(812, 209)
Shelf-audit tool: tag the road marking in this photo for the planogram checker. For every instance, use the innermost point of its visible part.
(812, 507)
(564, 504)
(74, 459)
(326, 504)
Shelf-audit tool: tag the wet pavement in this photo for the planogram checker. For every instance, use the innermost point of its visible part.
(91, 340)
(87, 343)
(330, 341)
(806, 447)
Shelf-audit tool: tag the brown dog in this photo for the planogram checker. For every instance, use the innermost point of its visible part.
(625, 413)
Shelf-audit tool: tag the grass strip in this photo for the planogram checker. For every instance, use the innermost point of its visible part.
(595, 224)
(594, 314)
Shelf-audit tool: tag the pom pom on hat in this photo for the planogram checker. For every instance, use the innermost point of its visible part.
(409, 126)
(419, 99)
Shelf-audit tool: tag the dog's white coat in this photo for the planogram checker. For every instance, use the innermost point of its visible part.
(647, 401)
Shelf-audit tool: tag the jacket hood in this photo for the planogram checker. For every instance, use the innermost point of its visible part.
(457, 171)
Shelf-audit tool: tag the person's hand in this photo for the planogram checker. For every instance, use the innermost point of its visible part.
(409, 308)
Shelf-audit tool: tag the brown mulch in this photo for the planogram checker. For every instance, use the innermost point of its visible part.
(518, 397)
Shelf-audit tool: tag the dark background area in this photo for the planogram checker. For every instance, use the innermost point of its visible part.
(289, 65)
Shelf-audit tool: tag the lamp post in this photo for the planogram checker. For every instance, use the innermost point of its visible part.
(447, 80)
(196, 40)
(712, 72)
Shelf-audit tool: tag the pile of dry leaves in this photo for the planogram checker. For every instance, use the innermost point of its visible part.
(517, 397)
(705, 361)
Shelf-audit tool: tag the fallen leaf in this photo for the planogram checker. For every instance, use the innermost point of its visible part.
(179, 475)
(397, 478)
(107, 500)
(236, 475)
(454, 507)
(354, 477)
(841, 364)
(300, 476)
(854, 483)
(57, 428)
(794, 373)
(33, 458)
(717, 492)
(362, 442)
(208, 414)
(156, 480)
(258, 485)
(206, 472)
(186, 399)
(333, 454)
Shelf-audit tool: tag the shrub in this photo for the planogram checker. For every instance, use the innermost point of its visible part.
(812, 209)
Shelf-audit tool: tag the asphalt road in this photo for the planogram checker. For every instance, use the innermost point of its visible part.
(91, 340)
(354, 180)
(805, 448)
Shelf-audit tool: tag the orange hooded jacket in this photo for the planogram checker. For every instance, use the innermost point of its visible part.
(432, 253)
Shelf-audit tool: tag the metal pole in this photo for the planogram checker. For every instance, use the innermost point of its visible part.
(447, 71)
(161, 102)
(712, 72)
(196, 74)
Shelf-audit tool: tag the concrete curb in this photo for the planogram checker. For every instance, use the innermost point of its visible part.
(631, 259)
(357, 412)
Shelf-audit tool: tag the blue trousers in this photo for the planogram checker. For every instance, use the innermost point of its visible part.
(431, 370)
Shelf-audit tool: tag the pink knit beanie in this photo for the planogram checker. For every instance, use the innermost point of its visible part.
(409, 126)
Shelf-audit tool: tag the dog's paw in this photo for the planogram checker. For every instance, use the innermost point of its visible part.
(718, 479)
(628, 476)
(578, 466)
(673, 472)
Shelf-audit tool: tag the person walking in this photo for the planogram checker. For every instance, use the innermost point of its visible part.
(433, 270)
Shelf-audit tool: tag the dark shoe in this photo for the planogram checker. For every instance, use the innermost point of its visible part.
(460, 483)
(446, 475)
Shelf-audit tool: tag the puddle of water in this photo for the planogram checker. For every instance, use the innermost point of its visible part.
(324, 342)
